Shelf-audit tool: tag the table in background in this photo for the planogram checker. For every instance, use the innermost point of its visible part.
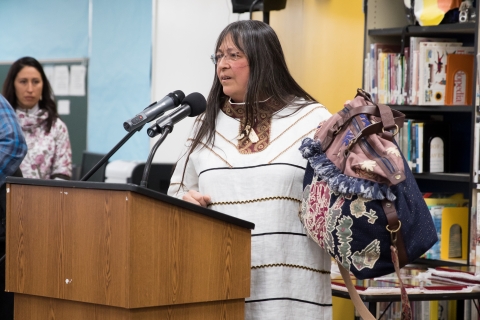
(372, 299)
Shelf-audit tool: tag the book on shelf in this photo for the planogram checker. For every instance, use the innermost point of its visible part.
(409, 145)
(424, 144)
(463, 275)
(406, 75)
(475, 238)
(434, 310)
(388, 87)
(367, 82)
(445, 199)
(454, 234)
(432, 69)
(434, 251)
(397, 74)
(476, 151)
(413, 71)
(376, 49)
(406, 145)
(417, 73)
(391, 78)
(421, 310)
(459, 78)
(403, 133)
(414, 153)
(419, 145)
(381, 91)
(477, 86)
(437, 203)
(413, 146)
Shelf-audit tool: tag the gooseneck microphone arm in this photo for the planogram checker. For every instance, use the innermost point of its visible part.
(146, 171)
(108, 155)
(193, 105)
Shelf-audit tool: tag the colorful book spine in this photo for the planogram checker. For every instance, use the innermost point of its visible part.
(419, 137)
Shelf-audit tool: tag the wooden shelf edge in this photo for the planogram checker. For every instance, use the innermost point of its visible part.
(454, 28)
(415, 108)
(457, 177)
(438, 263)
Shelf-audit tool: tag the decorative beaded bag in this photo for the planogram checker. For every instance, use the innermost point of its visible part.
(361, 202)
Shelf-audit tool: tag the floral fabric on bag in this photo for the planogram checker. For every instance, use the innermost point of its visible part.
(49, 154)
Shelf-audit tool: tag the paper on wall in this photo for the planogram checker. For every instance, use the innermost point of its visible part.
(77, 80)
(49, 73)
(60, 80)
(63, 107)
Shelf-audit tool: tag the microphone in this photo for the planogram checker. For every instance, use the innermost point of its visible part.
(155, 110)
(193, 105)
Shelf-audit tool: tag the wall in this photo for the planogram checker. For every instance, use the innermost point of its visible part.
(114, 35)
(120, 71)
(323, 44)
(117, 37)
(46, 29)
(183, 43)
(322, 41)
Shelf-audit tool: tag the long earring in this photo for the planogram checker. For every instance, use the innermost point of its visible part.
(41, 98)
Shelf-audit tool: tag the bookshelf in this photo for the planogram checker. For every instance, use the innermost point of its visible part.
(440, 30)
(386, 22)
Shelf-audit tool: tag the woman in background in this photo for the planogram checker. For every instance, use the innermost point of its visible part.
(242, 159)
(28, 91)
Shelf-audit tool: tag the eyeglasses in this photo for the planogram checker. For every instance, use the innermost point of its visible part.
(231, 56)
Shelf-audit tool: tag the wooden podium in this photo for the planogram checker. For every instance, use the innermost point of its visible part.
(90, 250)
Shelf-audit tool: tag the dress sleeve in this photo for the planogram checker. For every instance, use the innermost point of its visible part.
(13, 147)
(62, 160)
(178, 187)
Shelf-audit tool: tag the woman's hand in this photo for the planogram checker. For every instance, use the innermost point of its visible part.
(197, 198)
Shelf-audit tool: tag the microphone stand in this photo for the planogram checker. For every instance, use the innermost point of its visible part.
(146, 171)
(108, 155)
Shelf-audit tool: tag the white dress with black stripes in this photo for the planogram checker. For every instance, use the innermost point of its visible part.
(290, 273)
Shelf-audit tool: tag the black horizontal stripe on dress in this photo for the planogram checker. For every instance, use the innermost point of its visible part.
(290, 299)
(251, 167)
(274, 233)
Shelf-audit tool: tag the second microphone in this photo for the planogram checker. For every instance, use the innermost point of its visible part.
(193, 105)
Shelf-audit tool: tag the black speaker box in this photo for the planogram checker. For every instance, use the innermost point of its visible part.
(241, 6)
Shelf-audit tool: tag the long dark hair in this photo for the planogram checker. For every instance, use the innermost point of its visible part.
(269, 78)
(269, 75)
(47, 102)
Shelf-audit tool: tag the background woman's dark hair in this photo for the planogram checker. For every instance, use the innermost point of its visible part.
(47, 102)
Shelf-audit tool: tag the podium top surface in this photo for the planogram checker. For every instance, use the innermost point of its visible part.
(137, 189)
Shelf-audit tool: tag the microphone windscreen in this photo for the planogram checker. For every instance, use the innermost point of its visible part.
(197, 103)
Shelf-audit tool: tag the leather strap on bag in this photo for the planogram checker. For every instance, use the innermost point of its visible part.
(364, 94)
(357, 301)
(365, 314)
(394, 226)
(394, 120)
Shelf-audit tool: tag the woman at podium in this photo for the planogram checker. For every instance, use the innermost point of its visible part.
(49, 153)
(242, 159)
